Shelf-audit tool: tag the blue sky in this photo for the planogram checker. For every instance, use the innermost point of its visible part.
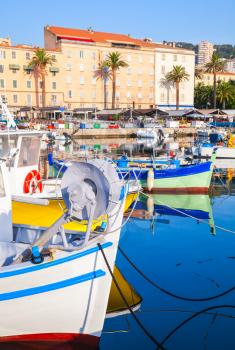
(176, 20)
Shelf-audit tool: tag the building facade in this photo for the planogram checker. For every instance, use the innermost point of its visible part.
(205, 52)
(17, 81)
(71, 81)
(230, 65)
(208, 78)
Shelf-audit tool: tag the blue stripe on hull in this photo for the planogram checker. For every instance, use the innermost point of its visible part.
(54, 262)
(142, 174)
(50, 287)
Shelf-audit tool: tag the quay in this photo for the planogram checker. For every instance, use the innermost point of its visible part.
(121, 132)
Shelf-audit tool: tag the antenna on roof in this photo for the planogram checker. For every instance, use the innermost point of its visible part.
(90, 29)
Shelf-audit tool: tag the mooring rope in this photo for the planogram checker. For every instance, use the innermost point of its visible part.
(190, 216)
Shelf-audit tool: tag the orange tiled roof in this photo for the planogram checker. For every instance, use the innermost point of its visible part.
(101, 37)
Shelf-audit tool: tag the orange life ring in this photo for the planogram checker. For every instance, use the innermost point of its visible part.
(32, 182)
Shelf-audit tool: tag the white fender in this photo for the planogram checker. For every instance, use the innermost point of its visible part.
(150, 179)
(150, 206)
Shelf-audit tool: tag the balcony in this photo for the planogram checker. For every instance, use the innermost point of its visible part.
(14, 66)
(54, 69)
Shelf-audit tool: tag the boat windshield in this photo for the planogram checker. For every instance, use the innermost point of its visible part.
(2, 187)
(29, 151)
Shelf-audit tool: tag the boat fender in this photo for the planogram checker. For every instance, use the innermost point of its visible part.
(150, 179)
(36, 256)
(150, 206)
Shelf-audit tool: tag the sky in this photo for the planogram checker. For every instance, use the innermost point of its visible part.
(171, 20)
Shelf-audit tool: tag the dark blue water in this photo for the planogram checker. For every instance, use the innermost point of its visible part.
(185, 258)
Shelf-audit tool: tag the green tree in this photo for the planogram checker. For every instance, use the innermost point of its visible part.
(215, 66)
(39, 64)
(115, 62)
(203, 95)
(104, 73)
(176, 76)
(225, 93)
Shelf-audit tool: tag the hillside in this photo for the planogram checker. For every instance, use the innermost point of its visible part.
(224, 50)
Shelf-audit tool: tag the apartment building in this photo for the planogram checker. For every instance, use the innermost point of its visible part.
(205, 52)
(208, 78)
(71, 81)
(230, 65)
(17, 81)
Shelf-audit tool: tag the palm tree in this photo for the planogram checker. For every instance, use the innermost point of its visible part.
(203, 95)
(198, 73)
(115, 62)
(39, 63)
(225, 93)
(103, 72)
(215, 66)
(176, 76)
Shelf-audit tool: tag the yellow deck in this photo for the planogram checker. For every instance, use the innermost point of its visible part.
(44, 216)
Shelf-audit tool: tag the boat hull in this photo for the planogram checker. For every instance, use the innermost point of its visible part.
(194, 179)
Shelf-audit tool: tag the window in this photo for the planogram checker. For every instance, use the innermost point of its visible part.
(151, 96)
(4, 99)
(81, 54)
(53, 57)
(69, 54)
(162, 97)
(68, 79)
(128, 58)
(117, 82)
(93, 55)
(13, 55)
(128, 94)
(2, 54)
(29, 151)
(139, 95)
(93, 81)
(2, 83)
(29, 84)
(68, 66)
(14, 83)
(93, 67)
(28, 100)
(27, 56)
(139, 83)
(40, 84)
(40, 99)
(175, 58)
(70, 94)
(54, 85)
(81, 67)
(163, 69)
(82, 95)
(1, 68)
(128, 82)
(117, 95)
(93, 94)
(139, 106)
(129, 70)
(15, 98)
(163, 56)
(183, 58)
(54, 99)
(82, 80)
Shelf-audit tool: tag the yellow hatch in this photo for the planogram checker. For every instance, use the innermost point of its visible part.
(44, 216)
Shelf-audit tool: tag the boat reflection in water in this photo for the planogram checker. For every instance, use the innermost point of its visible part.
(155, 206)
(116, 307)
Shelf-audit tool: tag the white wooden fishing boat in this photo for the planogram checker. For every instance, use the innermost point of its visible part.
(54, 283)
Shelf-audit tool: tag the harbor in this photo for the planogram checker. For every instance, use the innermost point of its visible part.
(117, 177)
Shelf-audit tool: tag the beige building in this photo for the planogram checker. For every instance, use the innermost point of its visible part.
(70, 82)
(208, 78)
(17, 83)
(205, 52)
